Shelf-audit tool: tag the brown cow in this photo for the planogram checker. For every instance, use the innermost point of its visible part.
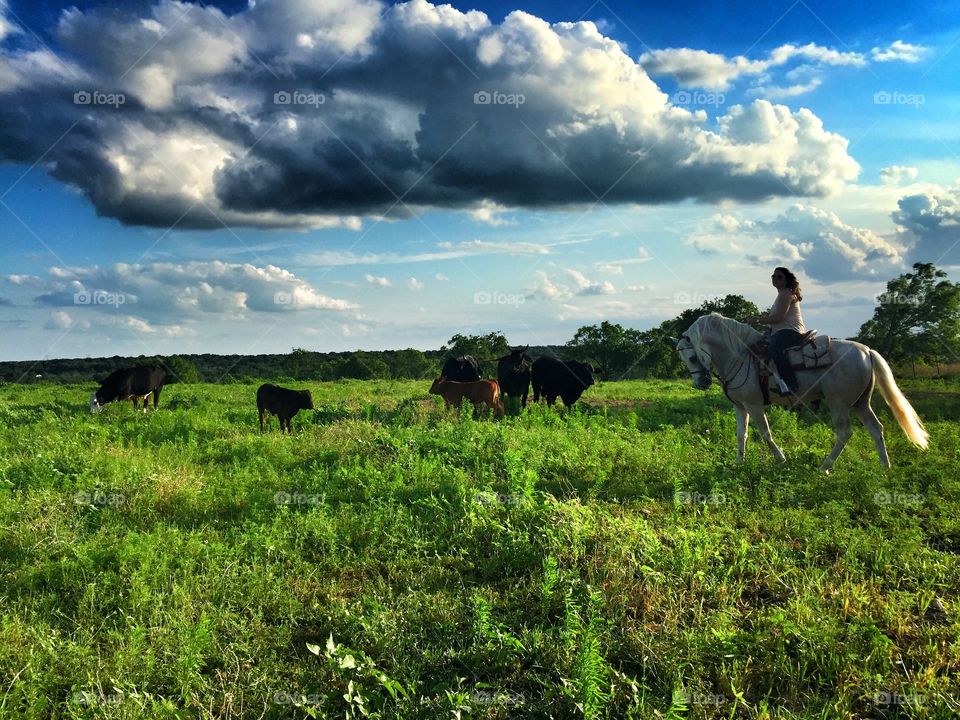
(480, 392)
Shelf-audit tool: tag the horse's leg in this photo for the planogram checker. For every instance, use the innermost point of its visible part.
(763, 427)
(743, 424)
(841, 426)
(876, 430)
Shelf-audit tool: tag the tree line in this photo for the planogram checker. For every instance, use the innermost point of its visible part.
(916, 321)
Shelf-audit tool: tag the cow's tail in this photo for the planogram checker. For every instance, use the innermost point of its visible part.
(902, 410)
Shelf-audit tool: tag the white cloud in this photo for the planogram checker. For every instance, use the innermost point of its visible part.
(377, 280)
(202, 140)
(440, 277)
(414, 284)
(899, 51)
(160, 293)
(896, 174)
(488, 212)
(712, 71)
(824, 247)
(930, 221)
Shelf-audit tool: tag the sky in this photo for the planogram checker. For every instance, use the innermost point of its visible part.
(234, 177)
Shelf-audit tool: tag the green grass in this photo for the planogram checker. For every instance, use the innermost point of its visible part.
(393, 560)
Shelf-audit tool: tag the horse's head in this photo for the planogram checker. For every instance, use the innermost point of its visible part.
(697, 362)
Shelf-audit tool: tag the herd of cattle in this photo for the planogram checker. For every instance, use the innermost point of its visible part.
(460, 378)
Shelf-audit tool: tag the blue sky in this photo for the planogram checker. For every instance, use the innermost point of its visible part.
(339, 175)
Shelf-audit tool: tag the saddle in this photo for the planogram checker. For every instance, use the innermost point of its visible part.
(808, 353)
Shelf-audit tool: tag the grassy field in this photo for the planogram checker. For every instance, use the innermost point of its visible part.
(391, 560)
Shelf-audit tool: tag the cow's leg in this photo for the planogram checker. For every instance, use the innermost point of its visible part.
(551, 399)
(763, 427)
(261, 419)
(133, 399)
(841, 426)
(743, 424)
(523, 399)
(156, 397)
(146, 402)
(876, 430)
(536, 394)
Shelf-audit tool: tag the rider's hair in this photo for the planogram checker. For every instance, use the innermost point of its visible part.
(792, 282)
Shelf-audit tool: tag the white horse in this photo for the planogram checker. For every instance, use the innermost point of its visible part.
(720, 343)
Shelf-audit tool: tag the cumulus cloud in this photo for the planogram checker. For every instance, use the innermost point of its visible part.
(899, 51)
(414, 284)
(545, 288)
(164, 293)
(301, 114)
(823, 246)
(488, 212)
(896, 174)
(713, 71)
(377, 280)
(931, 221)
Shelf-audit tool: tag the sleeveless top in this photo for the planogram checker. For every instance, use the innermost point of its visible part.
(785, 313)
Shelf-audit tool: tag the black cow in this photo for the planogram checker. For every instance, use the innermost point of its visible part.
(465, 368)
(567, 379)
(130, 384)
(513, 373)
(283, 403)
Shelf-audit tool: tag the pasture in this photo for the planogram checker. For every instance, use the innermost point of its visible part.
(393, 560)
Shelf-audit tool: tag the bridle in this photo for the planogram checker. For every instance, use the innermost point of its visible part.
(703, 371)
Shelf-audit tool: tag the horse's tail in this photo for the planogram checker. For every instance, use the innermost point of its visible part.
(902, 409)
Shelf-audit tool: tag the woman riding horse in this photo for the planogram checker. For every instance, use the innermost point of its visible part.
(786, 325)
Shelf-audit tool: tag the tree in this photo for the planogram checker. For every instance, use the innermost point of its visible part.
(917, 318)
(657, 353)
(611, 346)
(183, 370)
(483, 347)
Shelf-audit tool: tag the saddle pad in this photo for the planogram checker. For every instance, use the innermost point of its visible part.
(811, 355)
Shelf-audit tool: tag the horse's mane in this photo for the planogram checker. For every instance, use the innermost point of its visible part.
(731, 333)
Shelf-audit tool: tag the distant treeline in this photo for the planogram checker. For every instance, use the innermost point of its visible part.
(916, 322)
(298, 365)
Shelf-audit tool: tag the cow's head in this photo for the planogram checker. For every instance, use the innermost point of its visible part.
(437, 385)
(306, 400)
(95, 404)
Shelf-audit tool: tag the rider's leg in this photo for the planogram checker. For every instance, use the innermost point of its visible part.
(779, 341)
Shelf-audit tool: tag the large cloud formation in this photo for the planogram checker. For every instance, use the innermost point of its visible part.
(309, 114)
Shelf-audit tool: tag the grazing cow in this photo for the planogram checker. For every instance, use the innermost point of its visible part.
(552, 378)
(513, 373)
(480, 392)
(130, 384)
(465, 368)
(283, 403)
